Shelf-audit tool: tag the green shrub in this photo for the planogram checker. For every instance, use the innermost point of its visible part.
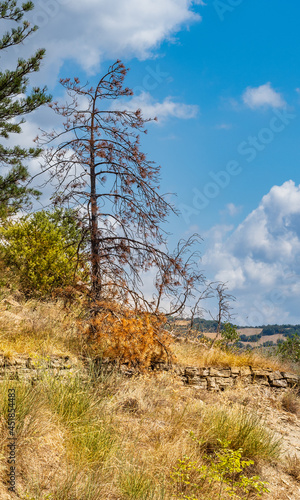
(41, 250)
(221, 477)
(229, 334)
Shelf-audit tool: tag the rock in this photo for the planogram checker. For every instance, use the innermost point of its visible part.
(290, 377)
(275, 375)
(220, 372)
(260, 373)
(199, 381)
(260, 377)
(223, 382)
(279, 383)
(191, 371)
(211, 383)
(204, 372)
(246, 380)
(261, 381)
(235, 371)
(245, 371)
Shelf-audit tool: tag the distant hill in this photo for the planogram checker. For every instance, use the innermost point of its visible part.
(265, 335)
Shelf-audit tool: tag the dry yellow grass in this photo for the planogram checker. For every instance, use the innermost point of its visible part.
(38, 328)
(117, 439)
(110, 438)
(43, 328)
(192, 355)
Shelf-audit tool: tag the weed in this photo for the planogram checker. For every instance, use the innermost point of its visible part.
(219, 478)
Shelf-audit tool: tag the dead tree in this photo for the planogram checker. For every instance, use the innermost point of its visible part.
(96, 165)
(224, 307)
(196, 310)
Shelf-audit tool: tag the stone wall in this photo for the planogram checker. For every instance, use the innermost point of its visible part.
(210, 378)
(24, 367)
(213, 378)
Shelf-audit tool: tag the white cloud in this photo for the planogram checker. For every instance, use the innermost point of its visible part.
(263, 96)
(231, 209)
(260, 259)
(162, 110)
(96, 30)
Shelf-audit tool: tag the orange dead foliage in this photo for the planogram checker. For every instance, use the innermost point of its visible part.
(138, 339)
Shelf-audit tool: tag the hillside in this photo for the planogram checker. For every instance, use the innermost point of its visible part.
(98, 435)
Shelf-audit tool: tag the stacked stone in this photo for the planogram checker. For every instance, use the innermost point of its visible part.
(24, 367)
(210, 378)
(221, 378)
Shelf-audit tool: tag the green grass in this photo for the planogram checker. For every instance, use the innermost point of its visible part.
(239, 427)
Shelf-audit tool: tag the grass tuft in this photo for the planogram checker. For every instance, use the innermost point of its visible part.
(239, 428)
(290, 401)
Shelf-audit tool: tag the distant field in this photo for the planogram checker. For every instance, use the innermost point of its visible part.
(243, 331)
(274, 338)
(250, 331)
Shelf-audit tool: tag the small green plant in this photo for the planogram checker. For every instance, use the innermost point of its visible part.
(222, 475)
(290, 349)
(229, 333)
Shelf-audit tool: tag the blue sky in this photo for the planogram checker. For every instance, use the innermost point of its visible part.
(223, 78)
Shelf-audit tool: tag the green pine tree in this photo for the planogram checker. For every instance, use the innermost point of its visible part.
(15, 102)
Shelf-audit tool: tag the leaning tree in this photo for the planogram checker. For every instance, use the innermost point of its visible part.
(97, 166)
